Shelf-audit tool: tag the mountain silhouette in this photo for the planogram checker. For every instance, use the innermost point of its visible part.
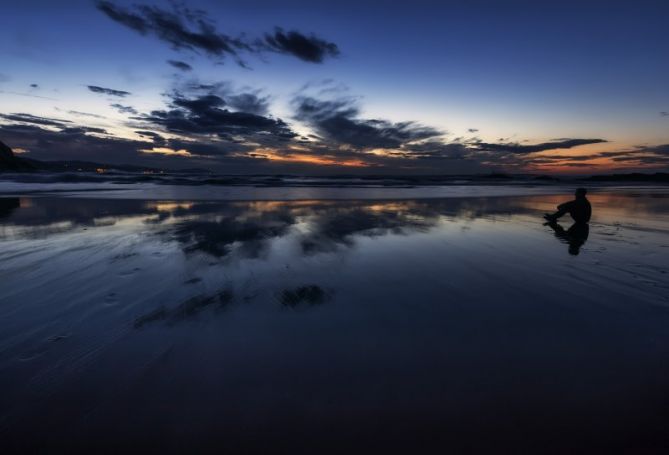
(10, 162)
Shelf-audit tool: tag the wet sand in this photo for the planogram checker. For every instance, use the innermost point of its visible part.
(443, 325)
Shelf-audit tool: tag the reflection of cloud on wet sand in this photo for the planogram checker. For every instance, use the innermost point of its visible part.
(219, 228)
(325, 225)
(186, 310)
(395, 298)
(217, 235)
(301, 296)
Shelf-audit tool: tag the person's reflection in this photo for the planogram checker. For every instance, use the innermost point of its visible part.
(575, 236)
(8, 205)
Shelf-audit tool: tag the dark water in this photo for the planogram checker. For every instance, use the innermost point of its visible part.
(459, 325)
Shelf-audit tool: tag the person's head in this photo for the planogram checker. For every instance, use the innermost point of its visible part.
(580, 192)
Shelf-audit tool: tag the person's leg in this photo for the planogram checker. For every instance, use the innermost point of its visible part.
(562, 210)
(554, 216)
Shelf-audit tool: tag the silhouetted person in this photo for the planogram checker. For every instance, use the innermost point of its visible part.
(579, 208)
(575, 236)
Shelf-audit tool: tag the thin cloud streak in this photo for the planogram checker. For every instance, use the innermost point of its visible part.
(108, 91)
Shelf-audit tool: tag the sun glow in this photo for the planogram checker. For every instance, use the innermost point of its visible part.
(167, 151)
(168, 206)
(292, 157)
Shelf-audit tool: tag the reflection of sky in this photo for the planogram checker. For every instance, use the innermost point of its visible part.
(426, 307)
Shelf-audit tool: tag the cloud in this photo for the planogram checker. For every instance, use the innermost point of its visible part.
(167, 151)
(644, 155)
(249, 102)
(80, 143)
(638, 157)
(71, 143)
(662, 149)
(108, 91)
(338, 121)
(173, 27)
(187, 29)
(28, 118)
(207, 113)
(664, 114)
(516, 148)
(182, 66)
(155, 137)
(4, 78)
(438, 150)
(124, 109)
(472, 130)
(83, 130)
(34, 86)
(28, 95)
(308, 48)
(85, 114)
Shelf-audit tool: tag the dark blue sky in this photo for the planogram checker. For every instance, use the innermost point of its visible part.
(430, 87)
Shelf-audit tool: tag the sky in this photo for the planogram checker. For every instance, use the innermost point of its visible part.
(347, 87)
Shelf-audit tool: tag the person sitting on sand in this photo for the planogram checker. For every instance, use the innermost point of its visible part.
(579, 208)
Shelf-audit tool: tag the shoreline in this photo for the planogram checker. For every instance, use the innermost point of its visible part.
(152, 191)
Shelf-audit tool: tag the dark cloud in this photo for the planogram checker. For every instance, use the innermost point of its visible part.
(338, 121)
(74, 142)
(516, 148)
(108, 91)
(308, 48)
(132, 20)
(71, 143)
(472, 130)
(84, 114)
(182, 66)
(34, 86)
(662, 149)
(200, 104)
(124, 109)
(208, 114)
(182, 28)
(83, 130)
(664, 114)
(155, 137)
(558, 158)
(438, 150)
(27, 118)
(188, 29)
(212, 149)
(643, 156)
(249, 102)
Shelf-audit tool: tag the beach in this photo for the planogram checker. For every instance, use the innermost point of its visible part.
(316, 320)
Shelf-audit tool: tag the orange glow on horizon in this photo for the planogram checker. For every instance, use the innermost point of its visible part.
(309, 159)
(168, 206)
(167, 151)
(584, 159)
